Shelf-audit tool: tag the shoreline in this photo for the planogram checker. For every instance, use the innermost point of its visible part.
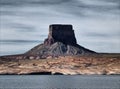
(67, 65)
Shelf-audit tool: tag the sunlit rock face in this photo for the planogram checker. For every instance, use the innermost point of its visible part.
(61, 41)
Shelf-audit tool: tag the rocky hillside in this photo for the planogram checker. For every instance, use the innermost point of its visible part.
(61, 41)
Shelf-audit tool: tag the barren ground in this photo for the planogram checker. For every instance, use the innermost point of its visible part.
(72, 65)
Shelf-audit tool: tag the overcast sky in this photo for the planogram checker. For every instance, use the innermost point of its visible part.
(96, 22)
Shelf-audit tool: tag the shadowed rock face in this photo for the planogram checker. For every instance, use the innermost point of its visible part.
(61, 33)
(61, 41)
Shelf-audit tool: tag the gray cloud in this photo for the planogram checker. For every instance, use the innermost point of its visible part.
(27, 2)
(97, 35)
(73, 7)
(23, 27)
(93, 20)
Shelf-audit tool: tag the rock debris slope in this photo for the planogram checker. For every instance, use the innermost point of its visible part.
(61, 41)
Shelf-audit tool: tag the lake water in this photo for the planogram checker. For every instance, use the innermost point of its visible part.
(59, 82)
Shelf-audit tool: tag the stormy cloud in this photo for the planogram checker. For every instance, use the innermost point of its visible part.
(96, 22)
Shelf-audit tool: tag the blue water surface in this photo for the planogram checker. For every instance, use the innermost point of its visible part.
(59, 82)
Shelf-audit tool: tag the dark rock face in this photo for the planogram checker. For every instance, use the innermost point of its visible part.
(60, 33)
(61, 41)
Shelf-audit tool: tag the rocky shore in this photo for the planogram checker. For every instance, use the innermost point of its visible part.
(68, 65)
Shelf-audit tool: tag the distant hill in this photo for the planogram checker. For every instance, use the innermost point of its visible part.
(61, 41)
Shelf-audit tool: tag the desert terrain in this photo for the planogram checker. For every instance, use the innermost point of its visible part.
(68, 65)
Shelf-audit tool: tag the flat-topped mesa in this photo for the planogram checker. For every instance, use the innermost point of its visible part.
(61, 41)
(61, 33)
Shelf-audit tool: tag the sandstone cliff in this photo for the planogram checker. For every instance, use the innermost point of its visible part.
(61, 33)
(61, 41)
